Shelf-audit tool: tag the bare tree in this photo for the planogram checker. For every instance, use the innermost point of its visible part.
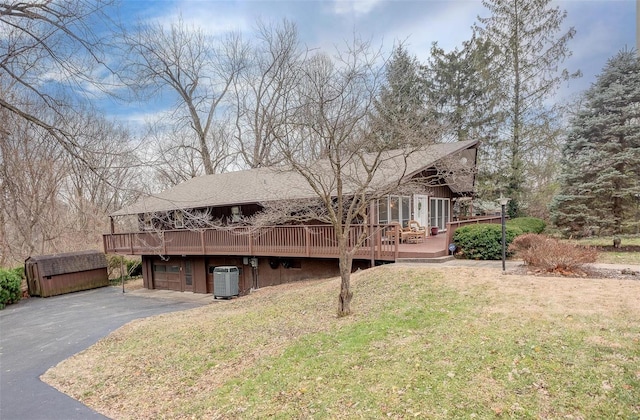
(197, 68)
(331, 146)
(264, 91)
(51, 201)
(30, 180)
(107, 178)
(47, 48)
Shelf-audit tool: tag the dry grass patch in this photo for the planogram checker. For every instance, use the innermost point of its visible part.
(423, 342)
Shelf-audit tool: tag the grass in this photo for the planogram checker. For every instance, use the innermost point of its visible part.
(613, 257)
(608, 240)
(423, 343)
(619, 258)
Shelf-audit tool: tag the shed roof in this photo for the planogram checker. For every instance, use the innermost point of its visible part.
(274, 183)
(71, 262)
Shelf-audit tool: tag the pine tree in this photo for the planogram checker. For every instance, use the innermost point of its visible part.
(460, 89)
(532, 47)
(400, 115)
(600, 181)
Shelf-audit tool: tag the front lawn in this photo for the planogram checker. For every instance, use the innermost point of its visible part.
(423, 343)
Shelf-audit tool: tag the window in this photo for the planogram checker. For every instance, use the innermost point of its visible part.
(383, 211)
(178, 219)
(147, 221)
(405, 211)
(394, 208)
(439, 212)
(236, 214)
(188, 273)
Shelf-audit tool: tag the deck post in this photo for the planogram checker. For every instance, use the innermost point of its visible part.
(131, 243)
(307, 240)
(372, 242)
(202, 241)
(397, 242)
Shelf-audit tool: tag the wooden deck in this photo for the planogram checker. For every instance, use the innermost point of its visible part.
(432, 247)
(282, 241)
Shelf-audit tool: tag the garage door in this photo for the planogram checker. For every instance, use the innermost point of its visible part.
(166, 276)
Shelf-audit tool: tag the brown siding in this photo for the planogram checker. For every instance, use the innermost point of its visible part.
(51, 275)
(199, 275)
(146, 272)
(442, 191)
(292, 270)
(73, 282)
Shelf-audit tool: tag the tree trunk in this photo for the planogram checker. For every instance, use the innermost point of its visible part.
(344, 300)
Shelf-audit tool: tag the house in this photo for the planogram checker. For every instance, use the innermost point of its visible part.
(50, 275)
(181, 247)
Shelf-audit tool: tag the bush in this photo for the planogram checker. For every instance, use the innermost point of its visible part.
(10, 281)
(115, 262)
(528, 224)
(134, 268)
(549, 254)
(483, 241)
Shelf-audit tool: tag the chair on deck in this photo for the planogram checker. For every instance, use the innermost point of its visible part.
(408, 234)
(414, 232)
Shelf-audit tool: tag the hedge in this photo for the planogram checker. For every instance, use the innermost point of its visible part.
(10, 281)
(483, 241)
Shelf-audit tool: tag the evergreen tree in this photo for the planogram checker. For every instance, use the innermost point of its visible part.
(600, 180)
(529, 36)
(460, 90)
(399, 113)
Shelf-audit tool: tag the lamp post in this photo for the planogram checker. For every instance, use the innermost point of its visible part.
(503, 203)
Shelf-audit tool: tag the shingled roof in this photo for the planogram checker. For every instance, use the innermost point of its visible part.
(270, 183)
(71, 262)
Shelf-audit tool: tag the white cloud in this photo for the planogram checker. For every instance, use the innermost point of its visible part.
(357, 7)
(213, 18)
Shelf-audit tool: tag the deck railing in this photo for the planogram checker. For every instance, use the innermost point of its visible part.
(284, 241)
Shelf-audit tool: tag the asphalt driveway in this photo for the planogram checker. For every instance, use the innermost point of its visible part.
(38, 333)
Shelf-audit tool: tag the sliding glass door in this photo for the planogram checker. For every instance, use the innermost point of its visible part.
(439, 212)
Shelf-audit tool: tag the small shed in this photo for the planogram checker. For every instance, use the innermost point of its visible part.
(50, 275)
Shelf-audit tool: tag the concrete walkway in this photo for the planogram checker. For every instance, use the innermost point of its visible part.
(38, 333)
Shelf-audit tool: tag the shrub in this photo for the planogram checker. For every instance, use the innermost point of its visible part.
(134, 268)
(483, 241)
(10, 281)
(549, 254)
(528, 224)
(116, 262)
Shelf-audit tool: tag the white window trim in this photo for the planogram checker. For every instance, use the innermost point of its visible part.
(401, 215)
(440, 218)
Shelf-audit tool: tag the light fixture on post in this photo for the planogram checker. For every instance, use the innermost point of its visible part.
(503, 204)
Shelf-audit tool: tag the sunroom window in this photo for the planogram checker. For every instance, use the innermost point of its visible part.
(394, 208)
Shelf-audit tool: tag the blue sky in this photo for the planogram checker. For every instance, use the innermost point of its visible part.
(603, 26)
